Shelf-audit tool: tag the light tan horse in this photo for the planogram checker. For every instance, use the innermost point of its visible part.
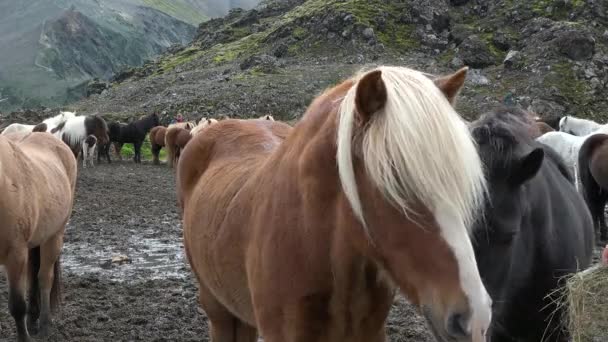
(304, 234)
(38, 177)
(185, 125)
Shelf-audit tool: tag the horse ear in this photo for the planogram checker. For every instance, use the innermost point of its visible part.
(450, 85)
(371, 96)
(527, 167)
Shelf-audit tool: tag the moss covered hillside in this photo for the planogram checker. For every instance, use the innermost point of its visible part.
(548, 56)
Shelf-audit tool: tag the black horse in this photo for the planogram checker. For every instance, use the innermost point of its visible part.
(132, 133)
(535, 230)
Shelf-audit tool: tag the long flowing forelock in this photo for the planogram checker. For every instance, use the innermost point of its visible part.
(417, 150)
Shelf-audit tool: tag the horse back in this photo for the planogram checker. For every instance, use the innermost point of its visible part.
(237, 145)
(46, 169)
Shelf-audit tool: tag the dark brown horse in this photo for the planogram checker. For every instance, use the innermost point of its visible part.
(38, 174)
(304, 234)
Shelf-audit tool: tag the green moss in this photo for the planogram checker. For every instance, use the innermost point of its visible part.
(447, 56)
(488, 38)
(299, 33)
(180, 58)
(224, 53)
(564, 79)
(128, 151)
(236, 33)
(179, 9)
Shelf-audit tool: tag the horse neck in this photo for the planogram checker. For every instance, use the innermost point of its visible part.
(147, 123)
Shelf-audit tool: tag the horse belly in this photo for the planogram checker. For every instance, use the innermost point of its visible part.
(217, 255)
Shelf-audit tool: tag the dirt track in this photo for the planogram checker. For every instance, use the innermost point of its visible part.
(128, 209)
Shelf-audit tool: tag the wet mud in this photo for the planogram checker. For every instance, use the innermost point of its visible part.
(125, 273)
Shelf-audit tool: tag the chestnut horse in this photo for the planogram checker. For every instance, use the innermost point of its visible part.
(305, 233)
(176, 139)
(38, 175)
(157, 141)
(544, 128)
(593, 170)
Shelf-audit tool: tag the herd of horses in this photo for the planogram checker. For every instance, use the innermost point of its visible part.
(307, 232)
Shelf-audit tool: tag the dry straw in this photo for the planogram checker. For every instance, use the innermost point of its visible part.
(586, 296)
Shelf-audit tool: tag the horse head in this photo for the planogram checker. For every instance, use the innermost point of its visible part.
(155, 119)
(41, 127)
(412, 176)
(512, 159)
(99, 128)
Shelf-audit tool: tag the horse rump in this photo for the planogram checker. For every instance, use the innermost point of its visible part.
(175, 139)
(593, 173)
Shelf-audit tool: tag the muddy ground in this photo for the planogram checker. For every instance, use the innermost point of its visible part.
(128, 209)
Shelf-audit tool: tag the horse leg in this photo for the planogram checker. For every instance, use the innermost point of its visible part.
(106, 151)
(16, 271)
(85, 156)
(137, 146)
(117, 148)
(48, 280)
(155, 154)
(223, 326)
(601, 216)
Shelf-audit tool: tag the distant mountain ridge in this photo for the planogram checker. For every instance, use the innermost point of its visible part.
(52, 46)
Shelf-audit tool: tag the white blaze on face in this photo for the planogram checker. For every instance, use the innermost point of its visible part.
(456, 235)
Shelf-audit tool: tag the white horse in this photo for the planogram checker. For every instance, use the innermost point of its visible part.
(50, 123)
(76, 129)
(568, 147)
(578, 126)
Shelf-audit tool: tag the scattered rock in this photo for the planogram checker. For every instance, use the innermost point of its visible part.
(475, 53)
(264, 63)
(368, 33)
(476, 77)
(576, 45)
(501, 41)
(545, 108)
(513, 59)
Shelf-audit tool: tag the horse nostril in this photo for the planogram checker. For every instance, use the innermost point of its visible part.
(458, 325)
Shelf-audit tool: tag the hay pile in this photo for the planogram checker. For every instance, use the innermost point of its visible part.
(587, 299)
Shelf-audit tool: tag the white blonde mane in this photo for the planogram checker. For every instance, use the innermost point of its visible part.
(416, 150)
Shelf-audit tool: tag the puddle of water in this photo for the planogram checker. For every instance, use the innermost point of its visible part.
(150, 258)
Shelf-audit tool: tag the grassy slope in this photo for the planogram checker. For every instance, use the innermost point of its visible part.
(178, 9)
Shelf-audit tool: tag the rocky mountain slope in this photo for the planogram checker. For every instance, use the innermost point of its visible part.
(50, 48)
(549, 56)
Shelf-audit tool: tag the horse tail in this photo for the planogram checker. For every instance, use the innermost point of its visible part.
(34, 288)
(57, 283)
(170, 144)
(34, 284)
(194, 161)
